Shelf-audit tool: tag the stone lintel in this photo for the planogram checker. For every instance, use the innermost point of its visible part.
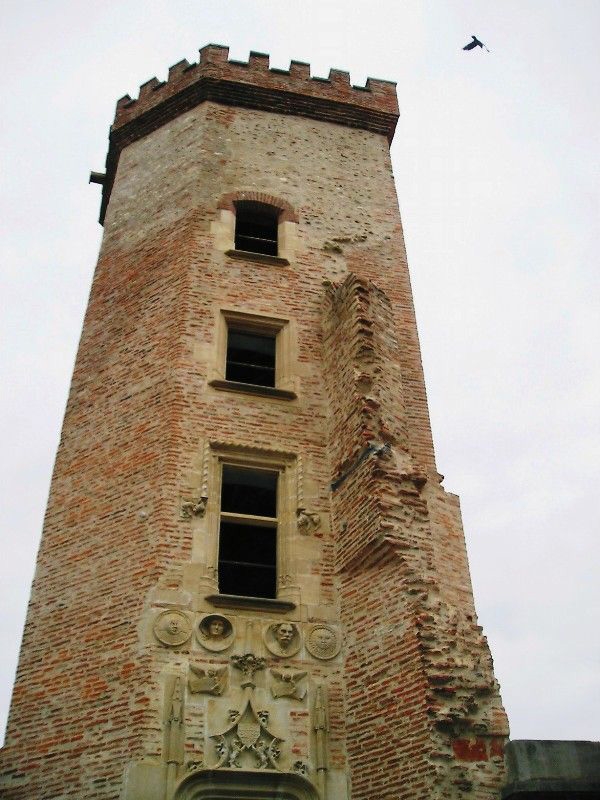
(251, 603)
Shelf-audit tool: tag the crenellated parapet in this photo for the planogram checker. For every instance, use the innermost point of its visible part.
(377, 96)
(252, 84)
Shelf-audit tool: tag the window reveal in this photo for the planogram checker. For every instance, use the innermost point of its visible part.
(250, 357)
(256, 227)
(248, 532)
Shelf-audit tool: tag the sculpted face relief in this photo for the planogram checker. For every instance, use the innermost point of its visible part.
(215, 633)
(216, 628)
(284, 635)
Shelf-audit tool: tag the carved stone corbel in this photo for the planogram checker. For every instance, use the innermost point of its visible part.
(194, 508)
(308, 521)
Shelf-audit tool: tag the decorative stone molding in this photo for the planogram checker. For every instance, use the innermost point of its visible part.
(267, 604)
(248, 664)
(287, 213)
(193, 508)
(172, 628)
(247, 735)
(174, 731)
(283, 581)
(215, 633)
(206, 784)
(308, 521)
(321, 729)
(323, 641)
(282, 639)
(212, 680)
(194, 504)
(285, 683)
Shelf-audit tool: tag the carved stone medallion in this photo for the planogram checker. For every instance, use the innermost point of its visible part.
(172, 628)
(282, 639)
(323, 641)
(215, 633)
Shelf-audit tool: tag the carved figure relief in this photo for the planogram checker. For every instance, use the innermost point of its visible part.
(212, 680)
(247, 733)
(172, 628)
(323, 641)
(194, 508)
(308, 521)
(284, 581)
(282, 639)
(215, 633)
(248, 664)
(285, 683)
(247, 736)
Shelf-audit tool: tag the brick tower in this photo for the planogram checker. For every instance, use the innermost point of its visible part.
(251, 583)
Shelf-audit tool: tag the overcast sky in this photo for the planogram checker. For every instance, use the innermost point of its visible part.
(496, 160)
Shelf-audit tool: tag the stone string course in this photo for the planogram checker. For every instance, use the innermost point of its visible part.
(414, 709)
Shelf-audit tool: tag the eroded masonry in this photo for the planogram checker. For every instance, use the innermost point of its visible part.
(251, 582)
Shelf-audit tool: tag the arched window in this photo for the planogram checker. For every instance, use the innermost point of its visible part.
(256, 225)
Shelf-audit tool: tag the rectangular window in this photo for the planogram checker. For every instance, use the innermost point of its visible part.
(250, 357)
(248, 532)
(254, 354)
(256, 227)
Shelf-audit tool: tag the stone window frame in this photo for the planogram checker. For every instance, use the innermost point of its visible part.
(223, 228)
(286, 465)
(285, 353)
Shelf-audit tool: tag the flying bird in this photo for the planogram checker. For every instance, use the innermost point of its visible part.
(474, 43)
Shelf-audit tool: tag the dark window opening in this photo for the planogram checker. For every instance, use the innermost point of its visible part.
(247, 560)
(256, 228)
(248, 532)
(250, 358)
(249, 491)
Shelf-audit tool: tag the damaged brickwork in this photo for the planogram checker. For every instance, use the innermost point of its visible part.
(423, 709)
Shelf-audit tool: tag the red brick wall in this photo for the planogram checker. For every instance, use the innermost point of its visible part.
(89, 686)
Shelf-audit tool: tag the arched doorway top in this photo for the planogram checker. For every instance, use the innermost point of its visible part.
(237, 784)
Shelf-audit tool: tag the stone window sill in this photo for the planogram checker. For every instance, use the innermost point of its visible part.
(262, 258)
(252, 603)
(252, 388)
